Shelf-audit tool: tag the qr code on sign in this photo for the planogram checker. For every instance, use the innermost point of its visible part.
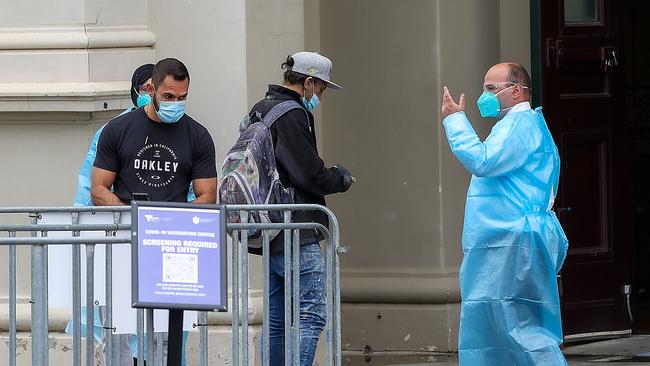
(183, 268)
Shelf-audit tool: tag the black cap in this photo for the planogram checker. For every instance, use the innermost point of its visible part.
(140, 75)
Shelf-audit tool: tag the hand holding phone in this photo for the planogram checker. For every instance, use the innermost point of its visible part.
(140, 196)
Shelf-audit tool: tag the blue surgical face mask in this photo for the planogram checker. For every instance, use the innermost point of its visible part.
(489, 105)
(312, 103)
(171, 112)
(142, 100)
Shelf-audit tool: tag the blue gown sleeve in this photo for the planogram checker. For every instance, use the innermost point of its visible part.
(502, 152)
(83, 182)
(191, 196)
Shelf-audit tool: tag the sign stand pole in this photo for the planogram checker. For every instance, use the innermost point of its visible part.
(175, 344)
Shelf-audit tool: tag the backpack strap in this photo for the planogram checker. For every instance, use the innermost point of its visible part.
(280, 110)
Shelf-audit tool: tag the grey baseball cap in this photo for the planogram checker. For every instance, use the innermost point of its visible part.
(313, 64)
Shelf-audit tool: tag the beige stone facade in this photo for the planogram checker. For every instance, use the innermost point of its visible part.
(66, 67)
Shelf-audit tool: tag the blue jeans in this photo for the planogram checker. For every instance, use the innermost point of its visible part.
(312, 303)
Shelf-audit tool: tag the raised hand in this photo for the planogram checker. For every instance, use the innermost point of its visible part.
(449, 106)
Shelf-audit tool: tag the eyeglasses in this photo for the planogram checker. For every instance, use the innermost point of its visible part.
(493, 86)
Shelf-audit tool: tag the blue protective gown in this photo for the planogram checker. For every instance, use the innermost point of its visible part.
(513, 244)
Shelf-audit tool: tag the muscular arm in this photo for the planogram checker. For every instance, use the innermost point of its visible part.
(205, 190)
(102, 182)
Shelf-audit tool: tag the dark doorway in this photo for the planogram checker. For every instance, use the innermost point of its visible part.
(637, 83)
(595, 89)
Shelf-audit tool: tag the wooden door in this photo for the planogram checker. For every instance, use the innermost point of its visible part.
(583, 95)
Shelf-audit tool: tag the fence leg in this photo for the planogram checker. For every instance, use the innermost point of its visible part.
(337, 295)
(46, 307)
(76, 296)
(331, 311)
(108, 326)
(90, 304)
(266, 350)
(203, 338)
(288, 344)
(244, 290)
(235, 298)
(140, 315)
(334, 249)
(295, 299)
(12, 302)
(39, 321)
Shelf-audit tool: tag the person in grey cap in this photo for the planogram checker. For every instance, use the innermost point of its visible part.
(306, 77)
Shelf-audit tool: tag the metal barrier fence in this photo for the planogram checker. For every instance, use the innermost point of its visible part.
(240, 345)
(240, 277)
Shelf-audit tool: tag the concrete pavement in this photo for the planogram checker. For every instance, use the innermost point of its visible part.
(628, 351)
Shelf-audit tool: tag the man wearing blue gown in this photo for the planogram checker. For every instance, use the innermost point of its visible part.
(513, 244)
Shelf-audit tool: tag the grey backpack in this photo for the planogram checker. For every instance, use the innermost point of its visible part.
(250, 175)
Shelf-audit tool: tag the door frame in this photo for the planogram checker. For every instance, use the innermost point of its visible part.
(536, 51)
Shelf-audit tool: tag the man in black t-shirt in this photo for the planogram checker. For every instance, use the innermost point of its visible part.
(158, 149)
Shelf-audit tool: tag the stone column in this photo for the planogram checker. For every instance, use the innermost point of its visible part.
(403, 219)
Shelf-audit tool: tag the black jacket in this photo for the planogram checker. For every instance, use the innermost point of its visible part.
(299, 166)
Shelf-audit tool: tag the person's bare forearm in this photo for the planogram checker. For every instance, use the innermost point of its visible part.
(102, 196)
(209, 198)
(205, 190)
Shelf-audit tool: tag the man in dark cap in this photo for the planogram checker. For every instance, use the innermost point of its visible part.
(140, 98)
(141, 77)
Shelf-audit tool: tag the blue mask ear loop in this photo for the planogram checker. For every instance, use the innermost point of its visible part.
(513, 84)
(504, 89)
(153, 102)
(308, 102)
(137, 92)
(313, 89)
(156, 109)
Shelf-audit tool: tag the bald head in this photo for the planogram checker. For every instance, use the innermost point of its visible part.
(498, 72)
(510, 82)
(510, 71)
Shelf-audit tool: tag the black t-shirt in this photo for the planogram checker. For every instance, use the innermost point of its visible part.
(156, 158)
